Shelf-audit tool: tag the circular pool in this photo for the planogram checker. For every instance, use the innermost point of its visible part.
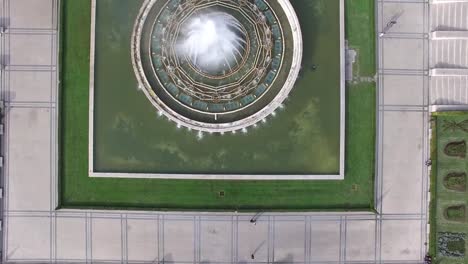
(216, 66)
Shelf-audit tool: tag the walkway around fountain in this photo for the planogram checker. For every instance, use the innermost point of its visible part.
(34, 231)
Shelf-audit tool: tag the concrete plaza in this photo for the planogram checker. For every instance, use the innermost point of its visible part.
(33, 231)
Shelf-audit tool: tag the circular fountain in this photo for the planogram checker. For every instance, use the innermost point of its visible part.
(216, 66)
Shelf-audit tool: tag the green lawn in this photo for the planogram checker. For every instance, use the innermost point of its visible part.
(79, 190)
(448, 188)
(361, 35)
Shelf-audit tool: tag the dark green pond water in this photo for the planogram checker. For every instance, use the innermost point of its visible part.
(303, 138)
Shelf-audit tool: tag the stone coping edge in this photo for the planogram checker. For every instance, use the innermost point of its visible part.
(339, 176)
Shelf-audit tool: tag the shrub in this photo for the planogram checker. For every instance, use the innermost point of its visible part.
(451, 244)
(456, 149)
(455, 181)
(455, 213)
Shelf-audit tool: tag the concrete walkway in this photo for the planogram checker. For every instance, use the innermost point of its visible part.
(33, 231)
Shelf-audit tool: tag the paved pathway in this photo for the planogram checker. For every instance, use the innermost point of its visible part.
(33, 231)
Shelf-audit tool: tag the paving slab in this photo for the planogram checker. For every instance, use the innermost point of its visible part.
(142, 239)
(449, 90)
(106, 238)
(28, 238)
(449, 16)
(178, 241)
(216, 241)
(403, 90)
(71, 238)
(360, 240)
(409, 16)
(29, 86)
(28, 156)
(252, 239)
(24, 49)
(402, 160)
(449, 54)
(401, 240)
(31, 14)
(289, 241)
(397, 52)
(325, 241)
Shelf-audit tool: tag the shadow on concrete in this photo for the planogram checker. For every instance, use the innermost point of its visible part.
(449, 65)
(448, 28)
